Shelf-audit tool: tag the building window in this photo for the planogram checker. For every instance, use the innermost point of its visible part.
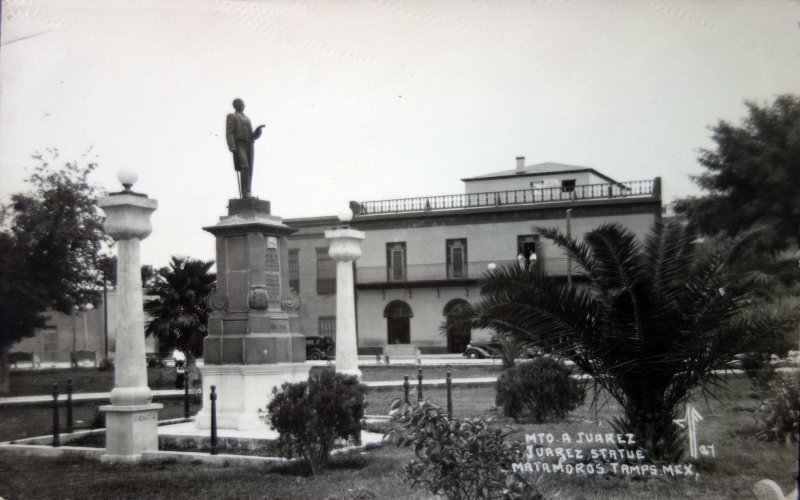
(396, 261)
(326, 272)
(294, 269)
(568, 185)
(327, 326)
(456, 258)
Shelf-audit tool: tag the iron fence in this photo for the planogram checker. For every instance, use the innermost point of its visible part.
(631, 189)
(445, 272)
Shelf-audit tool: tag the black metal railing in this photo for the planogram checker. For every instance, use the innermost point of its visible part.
(446, 272)
(631, 189)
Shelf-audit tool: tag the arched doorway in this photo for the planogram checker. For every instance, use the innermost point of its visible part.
(398, 314)
(458, 333)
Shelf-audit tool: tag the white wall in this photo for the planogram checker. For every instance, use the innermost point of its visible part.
(524, 181)
(485, 242)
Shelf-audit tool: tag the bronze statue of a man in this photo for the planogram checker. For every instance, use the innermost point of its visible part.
(240, 136)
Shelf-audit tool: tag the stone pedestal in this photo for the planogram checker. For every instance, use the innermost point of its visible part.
(130, 430)
(250, 347)
(344, 250)
(132, 418)
(246, 389)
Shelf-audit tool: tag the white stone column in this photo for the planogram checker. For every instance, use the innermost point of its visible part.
(132, 417)
(344, 250)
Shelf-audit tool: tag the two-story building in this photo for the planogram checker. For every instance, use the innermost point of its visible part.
(423, 257)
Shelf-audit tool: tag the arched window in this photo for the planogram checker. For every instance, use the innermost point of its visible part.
(398, 326)
(397, 309)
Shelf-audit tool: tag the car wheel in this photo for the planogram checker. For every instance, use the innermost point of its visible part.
(315, 355)
(473, 355)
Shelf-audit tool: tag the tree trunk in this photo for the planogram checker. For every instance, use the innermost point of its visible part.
(192, 372)
(5, 372)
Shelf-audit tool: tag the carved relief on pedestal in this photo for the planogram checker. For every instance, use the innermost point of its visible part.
(290, 301)
(216, 301)
(258, 298)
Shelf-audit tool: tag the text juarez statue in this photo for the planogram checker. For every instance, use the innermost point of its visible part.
(240, 136)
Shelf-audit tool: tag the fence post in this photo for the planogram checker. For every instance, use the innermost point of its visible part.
(406, 387)
(214, 447)
(185, 397)
(419, 385)
(449, 396)
(70, 421)
(56, 436)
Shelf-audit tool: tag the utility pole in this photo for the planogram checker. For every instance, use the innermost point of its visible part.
(105, 319)
(569, 236)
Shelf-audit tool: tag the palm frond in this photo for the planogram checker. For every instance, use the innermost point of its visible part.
(578, 251)
(653, 321)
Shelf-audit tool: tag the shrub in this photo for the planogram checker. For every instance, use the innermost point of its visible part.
(759, 370)
(541, 388)
(458, 458)
(781, 419)
(311, 416)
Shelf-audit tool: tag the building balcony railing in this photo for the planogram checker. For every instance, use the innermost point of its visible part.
(447, 272)
(631, 189)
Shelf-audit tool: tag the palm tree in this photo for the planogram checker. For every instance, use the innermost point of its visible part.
(178, 307)
(649, 322)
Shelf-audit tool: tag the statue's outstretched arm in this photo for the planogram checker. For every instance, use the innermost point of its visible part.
(257, 132)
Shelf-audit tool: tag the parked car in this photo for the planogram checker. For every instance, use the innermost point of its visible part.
(480, 350)
(319, 348)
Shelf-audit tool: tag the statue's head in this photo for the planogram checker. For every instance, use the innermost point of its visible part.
(238, 105)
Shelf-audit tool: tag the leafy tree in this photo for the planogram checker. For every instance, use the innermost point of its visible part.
(650, 322)
(751, 183)
(178, 307)
(50, 240)
(752, 176)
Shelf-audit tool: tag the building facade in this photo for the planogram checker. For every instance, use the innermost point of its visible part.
(423, 257)
(83, 332)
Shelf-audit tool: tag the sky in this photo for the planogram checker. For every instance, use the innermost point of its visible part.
(370, 100)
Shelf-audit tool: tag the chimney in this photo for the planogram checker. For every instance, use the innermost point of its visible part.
(520, 164)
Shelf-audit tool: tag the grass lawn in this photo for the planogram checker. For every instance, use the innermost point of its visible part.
(372, 475)
(21, 422)
(38, 382)
(728, 424)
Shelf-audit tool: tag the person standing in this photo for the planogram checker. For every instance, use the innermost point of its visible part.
(240, 136)
(523, 262)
